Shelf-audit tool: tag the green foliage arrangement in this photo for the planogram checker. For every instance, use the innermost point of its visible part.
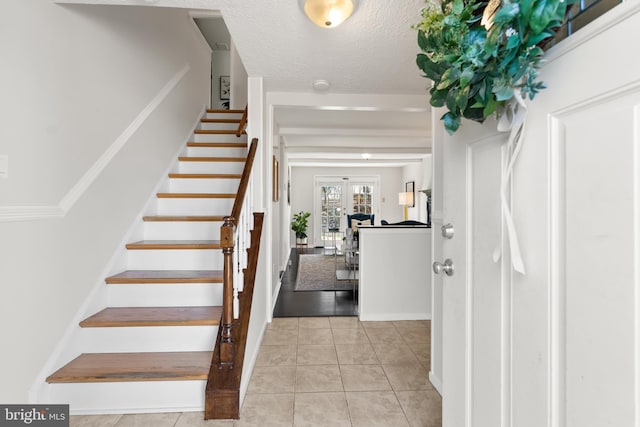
(300, 223)
(480, 53)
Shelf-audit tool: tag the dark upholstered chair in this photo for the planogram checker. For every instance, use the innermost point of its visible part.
(408, 222)
(359, 217)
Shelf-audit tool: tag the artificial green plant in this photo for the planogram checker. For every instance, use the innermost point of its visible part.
(480, 54)
(300, 223)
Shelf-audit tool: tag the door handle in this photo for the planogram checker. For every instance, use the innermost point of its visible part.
(446, 267)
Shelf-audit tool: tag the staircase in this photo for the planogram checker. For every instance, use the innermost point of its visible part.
(150, 348)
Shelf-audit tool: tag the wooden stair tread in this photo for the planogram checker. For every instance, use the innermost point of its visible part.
(206, 175)
(217, 132)
(206, 120)
(183, 218)
(154, 316)
(211, 159)
(196, 195)
(127, 367)
(166, 276)
(175, 244)
(218, 144)
(213, 110)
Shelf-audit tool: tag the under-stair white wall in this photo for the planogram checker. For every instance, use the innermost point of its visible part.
(97, 100)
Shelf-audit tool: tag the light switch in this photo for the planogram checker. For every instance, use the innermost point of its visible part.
(4, 166)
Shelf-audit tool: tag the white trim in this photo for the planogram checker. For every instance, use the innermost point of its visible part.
(89, 303)
(275, 294)
(196, 30)
(636, 231)
(29, 213)
(394, 317)
(610, 19)
(87, 179)
(556, 280)
(468, 284)
(205, 14)
(247, 368)
(436, 382)
(506, 309)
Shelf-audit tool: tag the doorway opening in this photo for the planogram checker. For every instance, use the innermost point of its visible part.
(335, 198)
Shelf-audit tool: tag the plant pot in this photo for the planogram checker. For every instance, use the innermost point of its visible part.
(301, 241)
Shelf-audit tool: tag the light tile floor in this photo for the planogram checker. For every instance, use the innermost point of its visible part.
(328, 372)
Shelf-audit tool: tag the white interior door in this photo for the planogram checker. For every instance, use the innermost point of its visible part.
(559, 346)
(476, 294)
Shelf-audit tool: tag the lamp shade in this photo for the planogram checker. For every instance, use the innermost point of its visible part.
(405, 199)
(328, 13)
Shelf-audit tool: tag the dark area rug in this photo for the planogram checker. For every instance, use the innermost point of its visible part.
(318, 273)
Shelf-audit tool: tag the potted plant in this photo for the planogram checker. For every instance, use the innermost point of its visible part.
(299, 225)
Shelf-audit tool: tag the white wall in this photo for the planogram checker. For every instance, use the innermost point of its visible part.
(261, 308)
(220, 66)
(420, 173)
(302, 179)
(239, 91)
(285, 211)
(276, 224)
(73, 81)
(406, 268)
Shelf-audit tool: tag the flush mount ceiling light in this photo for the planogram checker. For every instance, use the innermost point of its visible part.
(321, 85)
(327, 13)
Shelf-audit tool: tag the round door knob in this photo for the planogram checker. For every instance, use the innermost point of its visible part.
(446, 267)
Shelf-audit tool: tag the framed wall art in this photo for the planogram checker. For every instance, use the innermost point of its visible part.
(225, 87)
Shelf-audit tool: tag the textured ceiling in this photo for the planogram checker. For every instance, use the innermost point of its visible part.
(372, 53)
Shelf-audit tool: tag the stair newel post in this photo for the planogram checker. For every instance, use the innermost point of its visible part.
(227, 231)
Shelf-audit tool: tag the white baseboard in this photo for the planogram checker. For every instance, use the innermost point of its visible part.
(436, 382)
(249, 364)
(394, 316)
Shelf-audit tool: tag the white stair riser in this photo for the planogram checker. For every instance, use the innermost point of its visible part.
(175, 259)
(203, 185)
(164, 295)
(162, 396)
(148, 339)
(128, 397)
(222, 137)
(195, 206)
(219, 126)
(217, 151)
(232, 116)
(210, 167)
(182, 230)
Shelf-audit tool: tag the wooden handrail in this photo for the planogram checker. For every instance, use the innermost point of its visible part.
(243, 122)
(244, 182)
(222, 392)
(227, 241)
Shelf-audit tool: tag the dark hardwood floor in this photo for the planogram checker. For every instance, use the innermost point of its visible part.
(311, 303)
